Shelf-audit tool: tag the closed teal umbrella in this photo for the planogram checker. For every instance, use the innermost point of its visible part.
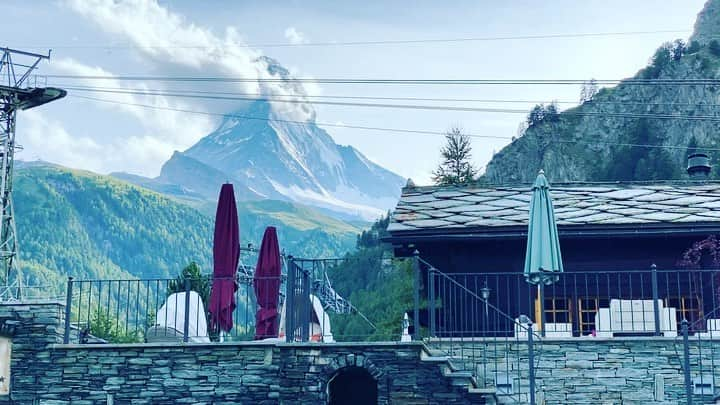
(542, 257)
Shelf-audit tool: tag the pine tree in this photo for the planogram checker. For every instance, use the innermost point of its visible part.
(455, 167)
(589, 91)
(199, 283)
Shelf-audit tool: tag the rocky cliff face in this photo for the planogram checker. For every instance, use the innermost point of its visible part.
(707, 25)
(598, 140)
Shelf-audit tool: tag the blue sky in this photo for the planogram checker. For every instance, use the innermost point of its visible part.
(146, 37)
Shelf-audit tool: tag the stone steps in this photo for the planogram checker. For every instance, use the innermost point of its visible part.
(458, 377)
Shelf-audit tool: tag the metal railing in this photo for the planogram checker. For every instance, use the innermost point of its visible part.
(471, 331)
(314, 305)
(584, 303)
(476, 318)
(149, 310)
(125, 311)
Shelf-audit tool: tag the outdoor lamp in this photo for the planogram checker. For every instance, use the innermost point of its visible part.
(485, 294)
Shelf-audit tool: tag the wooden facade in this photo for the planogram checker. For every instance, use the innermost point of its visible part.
(602, 261)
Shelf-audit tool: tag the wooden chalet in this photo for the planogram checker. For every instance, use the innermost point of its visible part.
(610, 235)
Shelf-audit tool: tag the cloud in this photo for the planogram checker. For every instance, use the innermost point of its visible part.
(162, 129)
(125, 136)
(294, 36)
(171, 43)
(46, 139)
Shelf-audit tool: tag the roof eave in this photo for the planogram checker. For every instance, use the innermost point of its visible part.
(566, 231)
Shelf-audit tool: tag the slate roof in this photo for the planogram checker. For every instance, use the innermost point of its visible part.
(479, 208)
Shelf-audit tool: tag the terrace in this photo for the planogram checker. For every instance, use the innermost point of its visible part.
(471, 324)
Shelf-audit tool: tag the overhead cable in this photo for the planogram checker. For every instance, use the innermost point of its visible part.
(375, 42)
(382, 129)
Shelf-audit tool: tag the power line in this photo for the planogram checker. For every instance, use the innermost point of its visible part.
(378, 42)
(230, 79)
(279, 97)
(381, 129)
(325, 124)
(663, 116)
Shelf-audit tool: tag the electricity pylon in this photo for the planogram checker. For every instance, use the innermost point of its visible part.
(15, 69)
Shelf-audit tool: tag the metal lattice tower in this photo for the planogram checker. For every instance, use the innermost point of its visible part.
(15, 94)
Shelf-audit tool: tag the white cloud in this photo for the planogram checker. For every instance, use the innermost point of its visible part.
(294, 36)
(46, 139)
(136, 138)
(174, 44)
(164, 130)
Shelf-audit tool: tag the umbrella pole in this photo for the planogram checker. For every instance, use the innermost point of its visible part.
(541, 297)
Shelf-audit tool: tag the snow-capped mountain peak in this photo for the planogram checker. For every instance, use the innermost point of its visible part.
(269, 153)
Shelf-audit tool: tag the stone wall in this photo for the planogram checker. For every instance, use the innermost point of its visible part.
(620, 370)
(46, 371)
(578, 371)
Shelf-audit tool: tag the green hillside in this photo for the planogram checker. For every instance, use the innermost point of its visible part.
(86, 225)
(302, 231)
(90, 226)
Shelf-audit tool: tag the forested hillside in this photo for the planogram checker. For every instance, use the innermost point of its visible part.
(86, 225)
(379, 286)
(89, 226)
(642, 129)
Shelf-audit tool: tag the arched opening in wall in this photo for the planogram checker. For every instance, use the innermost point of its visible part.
(353, 386)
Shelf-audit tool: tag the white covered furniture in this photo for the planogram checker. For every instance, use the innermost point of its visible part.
(170, 320)
(712, 329)
(558, 330)
(405, 336)
(552, 330)
(320, 329)
(634, 317)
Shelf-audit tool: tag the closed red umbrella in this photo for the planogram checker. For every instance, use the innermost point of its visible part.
(226, 254)
(266, 283)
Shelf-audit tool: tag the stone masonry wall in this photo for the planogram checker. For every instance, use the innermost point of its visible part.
(48, 372)
(620, 370)
(578, 371)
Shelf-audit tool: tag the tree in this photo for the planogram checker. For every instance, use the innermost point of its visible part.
(551, 112)
(200, 283)
(678, 49)
(694, 47)
(455, 167)
(522, 128)
(105, 325)
(660, 60)
(536, 115)
(589, 91)
(714, 47)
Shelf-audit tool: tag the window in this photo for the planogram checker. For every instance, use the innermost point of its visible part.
(587, 309)
(557, 310)
(690, 308)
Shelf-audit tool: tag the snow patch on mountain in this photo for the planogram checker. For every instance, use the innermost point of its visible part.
(329, 202)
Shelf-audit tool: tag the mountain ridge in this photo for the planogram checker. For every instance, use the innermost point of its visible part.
(598, 140)
(273, 149)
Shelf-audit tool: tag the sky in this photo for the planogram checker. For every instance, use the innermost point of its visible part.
(224, 39)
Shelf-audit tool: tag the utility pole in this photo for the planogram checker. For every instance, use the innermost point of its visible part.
(15, 94)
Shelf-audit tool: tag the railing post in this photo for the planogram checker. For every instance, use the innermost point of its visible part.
(531, 363)
(290, 301)
(68, 304)
(686, 362)
(416, 285)
(186, 324)
(305, 307)
(656, 306)
(431, 299)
